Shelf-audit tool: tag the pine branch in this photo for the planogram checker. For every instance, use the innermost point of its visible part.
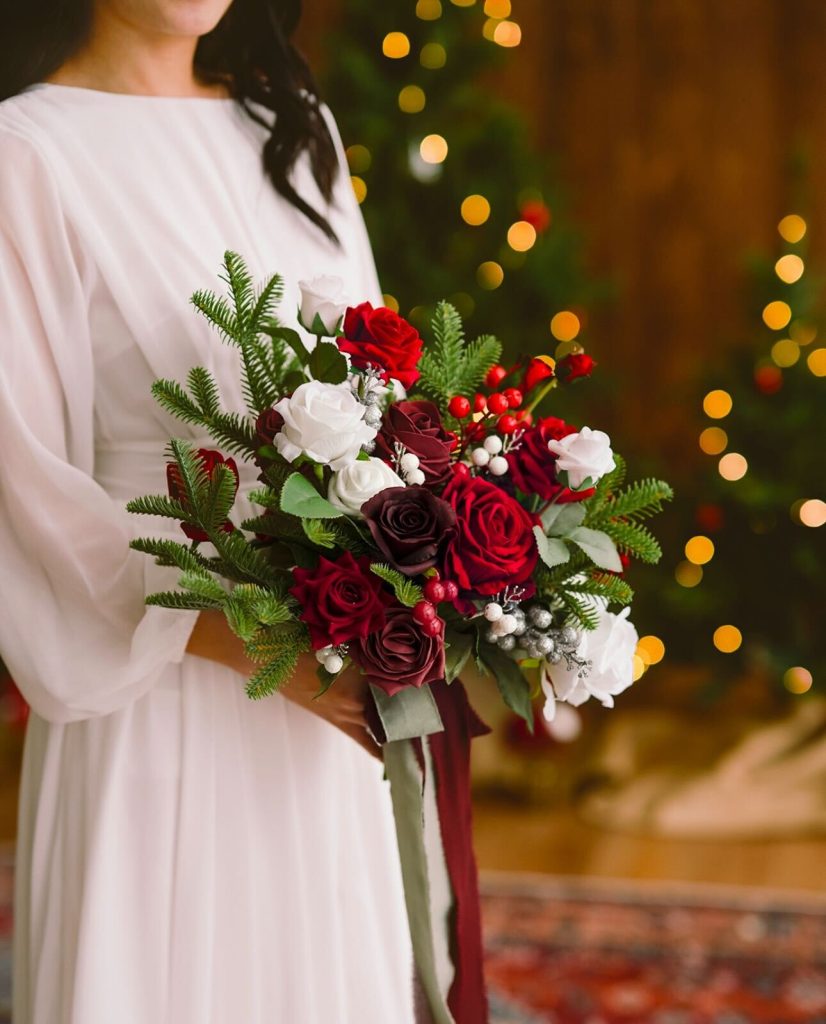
(192, 472)
(203, 585)
(158, 505)
(406, 591)
(246, 564)
(267, 300)
(639, 500)
(277, 649)
(242, 290)
(272, 676)
(269, 608)
(634, 539)
(204, 390)
(613, 588)
(217, 310)
(171, 552)
(173, 398)
(449, 366)
(583, 613)
(180, 600)
(219, 498)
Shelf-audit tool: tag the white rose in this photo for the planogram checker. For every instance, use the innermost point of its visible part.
(325, 422)
(610, 649)
(361, 480)
(322, 297)
(583, 455)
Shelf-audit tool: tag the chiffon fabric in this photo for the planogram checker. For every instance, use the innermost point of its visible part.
(185, 855)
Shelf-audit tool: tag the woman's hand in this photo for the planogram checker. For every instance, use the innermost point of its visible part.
(342, 705)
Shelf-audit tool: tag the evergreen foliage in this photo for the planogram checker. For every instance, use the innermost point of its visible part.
(450, 366)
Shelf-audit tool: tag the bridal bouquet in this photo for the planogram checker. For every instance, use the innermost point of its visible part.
(415, 514)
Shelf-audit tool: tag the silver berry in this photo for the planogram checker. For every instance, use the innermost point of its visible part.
(569, 636)
(540, 616)
(507, 643)
(491, 636)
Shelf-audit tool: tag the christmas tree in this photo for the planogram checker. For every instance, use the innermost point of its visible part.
(458, 203)
(747, 599)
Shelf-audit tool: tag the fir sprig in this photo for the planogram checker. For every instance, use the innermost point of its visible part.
(451, 366)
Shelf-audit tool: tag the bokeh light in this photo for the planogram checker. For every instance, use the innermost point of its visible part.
(727, 639)
(412, 99)
(713, 440)
(521, 236)
(651, 649)
(359, 158)
(733, 466)
(699, 550)
(792, 228)
(565, 325)
(812, 512)
(497, 8)
(432, 56)
(463, 3)
(490, 275)
(777, 314)
(507, 33)
(433, 149)
(475, 210)
(395, 45)
(429, 10)
(717, 404)
(797, 679)
(687, 574)
(817, 362)
(639, 668)
(390, 301)
(359, 187)
(803, 332)
(785, 352)
(789, 268)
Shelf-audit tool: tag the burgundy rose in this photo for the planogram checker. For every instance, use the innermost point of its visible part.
(400, 653)
(417, 426)
(381, 338)
(493, 546)
(340, 601)
(410, 526)
(209, 459)
(532, 468)
(267, 425)
(574, 366)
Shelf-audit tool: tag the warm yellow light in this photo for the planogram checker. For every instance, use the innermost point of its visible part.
(803, 332)
(490, 275)
(639, 668)
(463, 3)
(699, 550)
(359, 187)
(717, 404)
(777, 314)
(812, 512)
(507, 33)
(727, 639)
(497, 8)
(412, 99)
(433, 55)
(390, 301)
(817, 362)
(565, 325)
(651, 649)
(395, 45)
(713, 440)
(789, 268)
(521, 236)
(785, 352)
(687, 574)
(429, 10)
(733, 466)
(792, 228)
(433, 149)
(359, 158)
(797, 679)
(475, 210)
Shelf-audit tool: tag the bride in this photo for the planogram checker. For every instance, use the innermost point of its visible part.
(185, 856)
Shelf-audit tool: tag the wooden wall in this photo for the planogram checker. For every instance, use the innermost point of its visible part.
(674, 123)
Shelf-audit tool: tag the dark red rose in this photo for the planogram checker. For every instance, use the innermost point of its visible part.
(417, 426)
(536, 371)
(574, 366)
(494, 546)
(381, 338)
(340, 601)
(267, 425)
(532, 468)
(401, 653)
(209, 459)
(410, 526)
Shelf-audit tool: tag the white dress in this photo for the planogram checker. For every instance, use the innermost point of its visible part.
(185, 856)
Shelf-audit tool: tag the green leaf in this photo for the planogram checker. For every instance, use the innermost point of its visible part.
(559, 520)
(293, 339)
(327, 363)
(457, 651)
(326, 679)
(598, 546)
(514, 687)
(406, 591)
(552, 551)
(300, 498)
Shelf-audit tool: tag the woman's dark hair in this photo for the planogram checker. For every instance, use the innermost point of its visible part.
(250, 51)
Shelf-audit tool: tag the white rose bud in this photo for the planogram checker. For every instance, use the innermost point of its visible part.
(322, 297)
(361, 480)
(583, 455)
(325, 422)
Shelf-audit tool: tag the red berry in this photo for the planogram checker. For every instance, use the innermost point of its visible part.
(458, 406)
(495, 376)
(451, 590)
(433, 627)
(424, 612)
(434, 591)
(461, 469)
(480, 404)
(514, 397)
(497, 403)
(508, 424)
(525, 417)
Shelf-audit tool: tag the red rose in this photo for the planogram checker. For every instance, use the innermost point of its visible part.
(340, 601)
(537, 370)
(400, 653)
(417, 426)
(532, 468)
(383, 339)
(209, 459)
(494, 546)
(574, 366)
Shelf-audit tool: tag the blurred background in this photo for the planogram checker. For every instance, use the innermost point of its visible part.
(642, 179)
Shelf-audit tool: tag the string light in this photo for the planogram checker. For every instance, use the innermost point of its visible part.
(792, 228)
(565, 325)
(777, 315)
(789, 268)
(713, 440)
(521, 236)
(432, 56)
(395, 45)
(687, 574)
(699, 550)
(812, 512)
(359, 158)
(717, 404)
(727, 639)
(785, 352)
(798, 679)
(490, 275)
(433, 149)
(651, 649)
(817, 362)
(359, 187)
(733, 466)
(412, 99)
(429, 10)
(475, 210)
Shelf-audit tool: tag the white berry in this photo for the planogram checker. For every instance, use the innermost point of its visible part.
(493, 444)
(408, 462)
(498, 465)
(508, 623)
(493, 611)
(323, 654)
(415, 478)
(334, 663)
(480, 457)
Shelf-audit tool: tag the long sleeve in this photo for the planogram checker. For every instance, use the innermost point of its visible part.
(74, 630)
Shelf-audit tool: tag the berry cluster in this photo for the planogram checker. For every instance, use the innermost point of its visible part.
(434, 592)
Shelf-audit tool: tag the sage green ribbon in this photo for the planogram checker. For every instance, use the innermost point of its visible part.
(410, 713)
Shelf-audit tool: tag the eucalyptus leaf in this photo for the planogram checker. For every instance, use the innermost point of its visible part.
(457, 652)
(552, 551)
(300, 498)
(559, 520)
(598, 546)
(514, 687)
